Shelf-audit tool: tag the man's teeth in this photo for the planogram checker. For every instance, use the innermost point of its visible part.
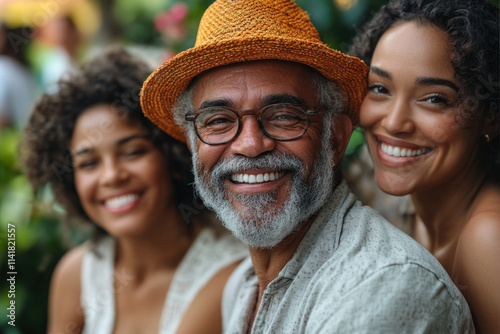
(252, 178)
(401, 152)
(120, 201)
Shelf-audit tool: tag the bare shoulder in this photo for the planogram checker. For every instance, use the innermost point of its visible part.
(65, 313)
(204, 315)
(71, 262)
(478, 261)
(482, 230)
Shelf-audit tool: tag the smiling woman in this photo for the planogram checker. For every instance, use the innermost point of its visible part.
(432, 124)
(153, 265)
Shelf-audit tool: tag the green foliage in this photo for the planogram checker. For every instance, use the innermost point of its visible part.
(39, 243)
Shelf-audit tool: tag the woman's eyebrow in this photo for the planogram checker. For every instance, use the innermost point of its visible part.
(122, 141)
(380, 72)
(431, 81)
(85, 150)
(132, 137)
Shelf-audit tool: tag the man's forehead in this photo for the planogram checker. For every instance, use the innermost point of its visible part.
(254, 80)
(255, 64)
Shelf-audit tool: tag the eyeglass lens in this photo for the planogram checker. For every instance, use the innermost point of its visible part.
(219, 125)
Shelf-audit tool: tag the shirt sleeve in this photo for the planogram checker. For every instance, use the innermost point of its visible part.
(403, 298)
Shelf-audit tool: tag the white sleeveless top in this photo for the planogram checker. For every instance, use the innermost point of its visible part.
(210, 252)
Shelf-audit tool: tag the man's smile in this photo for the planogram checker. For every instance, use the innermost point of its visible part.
(256, 178)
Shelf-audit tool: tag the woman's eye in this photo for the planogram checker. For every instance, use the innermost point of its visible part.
(377, 89)
(133, 153)
(438, 99)
(87, 164)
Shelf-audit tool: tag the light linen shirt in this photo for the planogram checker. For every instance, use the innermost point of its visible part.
(352, 273)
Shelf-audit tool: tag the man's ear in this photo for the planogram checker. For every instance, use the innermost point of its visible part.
(342, 130)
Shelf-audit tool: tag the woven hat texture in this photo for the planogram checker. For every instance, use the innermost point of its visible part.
(233, 31)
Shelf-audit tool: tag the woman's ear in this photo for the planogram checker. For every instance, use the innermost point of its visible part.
(490, 126)
(342, 130)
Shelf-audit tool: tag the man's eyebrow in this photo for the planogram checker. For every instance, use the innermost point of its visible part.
(123, 141)
(215, 103)
(380, 72)
(431, 81)
(271, 99)
(283, 98)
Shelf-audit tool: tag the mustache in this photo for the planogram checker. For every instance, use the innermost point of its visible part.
(270, 160)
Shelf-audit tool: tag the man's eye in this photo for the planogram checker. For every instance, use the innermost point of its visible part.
(217, 121)
(283, 117)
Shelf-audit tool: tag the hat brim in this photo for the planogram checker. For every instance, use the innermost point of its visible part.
(164, 85)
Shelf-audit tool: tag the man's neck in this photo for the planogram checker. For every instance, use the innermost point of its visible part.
(268, 262)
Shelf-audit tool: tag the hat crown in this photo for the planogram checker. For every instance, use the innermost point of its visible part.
(235, 19)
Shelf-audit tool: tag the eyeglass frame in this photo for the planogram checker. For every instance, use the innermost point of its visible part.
(191, 116)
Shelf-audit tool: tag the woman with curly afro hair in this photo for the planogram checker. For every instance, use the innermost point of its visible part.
(154, 264)
(431, 119)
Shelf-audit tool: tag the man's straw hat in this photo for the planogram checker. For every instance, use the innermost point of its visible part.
(233, 31)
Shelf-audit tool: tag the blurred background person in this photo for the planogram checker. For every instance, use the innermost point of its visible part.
(156, 263)
(17, 84)
(60, 32)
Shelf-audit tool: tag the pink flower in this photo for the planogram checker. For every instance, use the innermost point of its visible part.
(179, 11)
(171, 22)
(162, 20)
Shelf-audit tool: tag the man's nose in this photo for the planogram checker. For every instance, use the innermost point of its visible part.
(251, 141)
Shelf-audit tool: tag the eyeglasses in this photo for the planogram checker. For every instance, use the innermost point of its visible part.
(220, 125)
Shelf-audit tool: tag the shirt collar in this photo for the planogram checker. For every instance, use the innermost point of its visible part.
(314, 240)
(317, 239)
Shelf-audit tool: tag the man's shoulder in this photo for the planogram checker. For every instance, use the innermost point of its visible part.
(368, 246)
(367, 236)
(381, 274)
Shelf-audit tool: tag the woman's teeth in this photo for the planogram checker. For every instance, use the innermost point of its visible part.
(402, 152)
(258, 178)
(120, 201)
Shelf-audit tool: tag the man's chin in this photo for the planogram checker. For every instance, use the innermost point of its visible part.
(256, 238)
(257, 228)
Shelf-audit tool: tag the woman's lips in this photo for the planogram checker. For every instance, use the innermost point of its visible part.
(121, 203)
(397, 153)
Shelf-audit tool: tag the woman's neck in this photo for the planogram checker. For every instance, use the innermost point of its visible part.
(161, 247)
(445, 210)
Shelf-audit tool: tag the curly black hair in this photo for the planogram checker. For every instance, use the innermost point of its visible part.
(473, 29)
(114, 78)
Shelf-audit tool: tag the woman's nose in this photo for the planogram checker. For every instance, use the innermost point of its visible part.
(113, 173)
(398, 117)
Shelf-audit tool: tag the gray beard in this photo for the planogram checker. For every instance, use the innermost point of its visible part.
(262, 223)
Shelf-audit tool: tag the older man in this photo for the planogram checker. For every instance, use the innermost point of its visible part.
(268, 110)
